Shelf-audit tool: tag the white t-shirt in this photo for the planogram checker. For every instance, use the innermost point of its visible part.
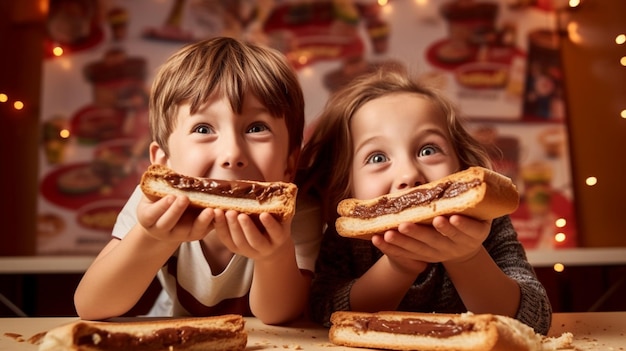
(189, 287)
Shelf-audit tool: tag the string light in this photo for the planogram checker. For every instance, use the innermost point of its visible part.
(574, 3)
(560, 237)
(57, 51)
(623, 114)
(559, 267)
(560, 222)
(620, 39)
(591, 181)
(4, 97)
(18, 105)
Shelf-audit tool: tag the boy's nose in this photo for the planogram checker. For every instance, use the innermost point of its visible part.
(233, 155)
(237, 164)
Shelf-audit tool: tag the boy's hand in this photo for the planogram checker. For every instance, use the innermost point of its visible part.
(258, 241)
(453, 239)
(170, 219)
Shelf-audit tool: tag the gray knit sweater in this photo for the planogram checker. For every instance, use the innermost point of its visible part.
(342, 260)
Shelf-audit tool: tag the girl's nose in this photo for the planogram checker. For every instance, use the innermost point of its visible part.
(409, 178)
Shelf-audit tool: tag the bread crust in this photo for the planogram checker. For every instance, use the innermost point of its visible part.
(245, 196)
(224, 332)
(488, 332)
(491, 195)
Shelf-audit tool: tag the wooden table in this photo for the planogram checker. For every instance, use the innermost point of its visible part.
(592, 331)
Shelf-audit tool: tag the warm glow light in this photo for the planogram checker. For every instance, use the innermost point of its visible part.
(574, 3)
(64, 133)
(57, 51)
(623, 61)
(620, 39)
(43, 7)
(572, 32)
(382, 2)
(560, 222)
(307, 72)
(623, 114)
(559, 267)
(18, 105)
(303, 60)
(591, 181)
(4, 97)
(559, 237)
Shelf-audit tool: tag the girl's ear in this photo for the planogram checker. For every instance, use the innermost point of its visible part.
(157, 154)
(292, 166)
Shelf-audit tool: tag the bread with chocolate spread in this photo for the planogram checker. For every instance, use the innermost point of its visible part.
(245, 196)
(475, 192)
(224, 332)
(432, 331)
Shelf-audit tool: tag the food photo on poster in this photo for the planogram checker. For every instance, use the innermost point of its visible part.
(498, 61)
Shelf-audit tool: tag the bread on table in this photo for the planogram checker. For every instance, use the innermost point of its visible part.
(394, 330)
(224, 333)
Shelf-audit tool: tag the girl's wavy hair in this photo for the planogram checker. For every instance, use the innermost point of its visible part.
(326, 158)
(230, 68)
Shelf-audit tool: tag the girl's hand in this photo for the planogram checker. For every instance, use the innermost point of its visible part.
(398, 260)
(258, 240)
(171, 219)
(453, 239)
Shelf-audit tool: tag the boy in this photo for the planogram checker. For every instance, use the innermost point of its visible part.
(220, 109)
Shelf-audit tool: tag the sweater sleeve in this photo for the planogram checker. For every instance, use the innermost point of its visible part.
(508, 253)
(330, 289)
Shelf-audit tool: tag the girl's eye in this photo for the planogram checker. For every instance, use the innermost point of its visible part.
(428, 150)
(203, 129)
(257, 128)
(377, 158)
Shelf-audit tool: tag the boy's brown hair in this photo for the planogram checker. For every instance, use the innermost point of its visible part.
(326, 159)
(231, 68)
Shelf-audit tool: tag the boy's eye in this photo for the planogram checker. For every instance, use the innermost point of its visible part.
(377, 158)
(203, 129)
(257, 128)
(428, 150)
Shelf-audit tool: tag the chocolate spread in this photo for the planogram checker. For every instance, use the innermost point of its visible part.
(412, 326)
(417, 197)
(238, 189)
(161, 339)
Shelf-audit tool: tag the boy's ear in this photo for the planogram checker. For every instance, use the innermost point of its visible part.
(157, 154)
(292, 166)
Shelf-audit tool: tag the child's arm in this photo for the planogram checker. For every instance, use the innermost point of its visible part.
(384, 285)
(279, 290)
(483, 286)
(124, 269)
(480, 282)
(120, 275)
(456, 242)
(507, 253)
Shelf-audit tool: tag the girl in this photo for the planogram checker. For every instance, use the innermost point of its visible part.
(383, 133)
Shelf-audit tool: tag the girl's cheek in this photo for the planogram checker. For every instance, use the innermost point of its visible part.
(366, 190)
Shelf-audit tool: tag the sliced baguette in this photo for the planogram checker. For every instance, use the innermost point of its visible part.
(490, 195)
(250, 197)
(225, 332)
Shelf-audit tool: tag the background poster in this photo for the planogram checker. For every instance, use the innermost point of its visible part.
(499, 61)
